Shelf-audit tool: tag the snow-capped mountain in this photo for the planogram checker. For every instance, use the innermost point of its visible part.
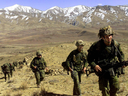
(78, 15)
(19, 8)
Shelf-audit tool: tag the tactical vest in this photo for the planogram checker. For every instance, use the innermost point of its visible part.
(78, 60)
(107, 53)
(39, 63)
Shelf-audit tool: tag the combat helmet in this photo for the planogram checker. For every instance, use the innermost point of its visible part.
(105, 31)
(79, 42)
(38, 53)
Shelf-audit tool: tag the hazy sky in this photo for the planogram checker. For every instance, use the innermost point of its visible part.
(46, 4)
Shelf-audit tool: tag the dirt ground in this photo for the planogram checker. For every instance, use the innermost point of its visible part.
(23, 82)
(55, 48)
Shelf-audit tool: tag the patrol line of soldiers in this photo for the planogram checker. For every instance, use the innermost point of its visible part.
(77, 61)
(8, 68)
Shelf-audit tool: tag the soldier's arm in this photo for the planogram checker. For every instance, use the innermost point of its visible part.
(85, 60)
(45, 64)
(32, 63)
(121, 54)
(69, 59)
(91, 56)
(13, 67)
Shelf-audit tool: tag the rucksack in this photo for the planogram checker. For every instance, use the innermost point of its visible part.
(64, 65)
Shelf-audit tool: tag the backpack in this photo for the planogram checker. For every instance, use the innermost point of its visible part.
(64, 65)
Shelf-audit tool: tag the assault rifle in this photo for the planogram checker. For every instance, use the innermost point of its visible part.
(106, 67)
(37, 68)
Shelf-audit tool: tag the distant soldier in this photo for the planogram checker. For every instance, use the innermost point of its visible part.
(12, 68)
(25, 60)
(77, 63)
(38, 65)
(6, 70)
(21, 63)
(15, 63)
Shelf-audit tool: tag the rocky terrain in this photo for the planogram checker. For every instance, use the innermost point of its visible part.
(23, 82)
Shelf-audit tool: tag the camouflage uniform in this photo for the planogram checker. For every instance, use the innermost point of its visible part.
(39, 71)
(11, 67)
(77, 61)
(21, 63)
(108, 81)
(15, 64)
(6, 70)
(25, 61)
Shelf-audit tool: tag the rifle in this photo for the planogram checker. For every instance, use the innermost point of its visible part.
(89, 71)
(106, 67)
(37, 68)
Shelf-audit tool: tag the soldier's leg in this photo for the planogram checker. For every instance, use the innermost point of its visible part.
(76, 89)
(79, 74)
(37, 76)
(8, 75)
(5, 76)
(114, 85)
(103, 86)
(42, 75)
(11, 73)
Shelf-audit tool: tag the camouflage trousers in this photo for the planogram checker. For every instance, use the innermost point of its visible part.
(108, 85)
(39, 75)
(11, 72)
(7, 73)
(76, 76)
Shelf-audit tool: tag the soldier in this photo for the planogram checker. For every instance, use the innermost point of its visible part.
(38, 65)
(15, 63)
(11, 67)
(100, 53)
(25, 60)
(21, 63)
(6, 70)
(76, 62)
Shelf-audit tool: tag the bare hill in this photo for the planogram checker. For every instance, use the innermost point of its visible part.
(23, 82)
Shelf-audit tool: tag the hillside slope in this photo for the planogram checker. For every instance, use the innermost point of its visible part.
(23, 82)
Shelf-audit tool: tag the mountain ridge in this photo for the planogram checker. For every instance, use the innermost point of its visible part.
(80, 15)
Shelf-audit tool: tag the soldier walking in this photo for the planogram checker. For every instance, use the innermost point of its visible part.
(38, 65)
(25, 61)
(103, 52)
(77, 63)
(6, 70)
(12, 68)
(15, 63)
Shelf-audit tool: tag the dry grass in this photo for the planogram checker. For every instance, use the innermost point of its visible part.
(43, 92)
(23, 86)
(19, 94)
(54, 54)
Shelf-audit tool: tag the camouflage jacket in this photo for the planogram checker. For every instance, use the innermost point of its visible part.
(99, 51)
(5, 68)
(39, 63)
(11, 66)
(77, 60)
(15, 63)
